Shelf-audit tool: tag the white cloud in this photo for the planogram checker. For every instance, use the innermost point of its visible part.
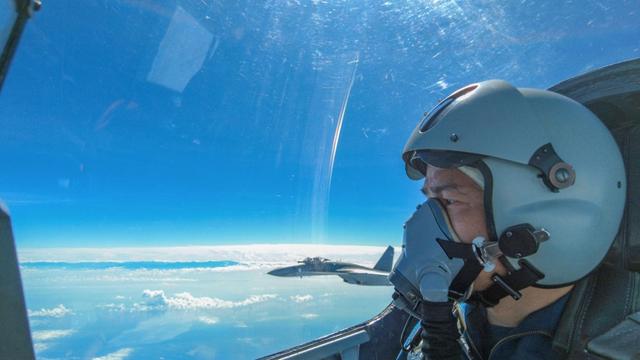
(117, 355)
(309, 316)
(56, 312)
(42, 339)
(154, 298)
(208, 320)
(119, 297)
(186, 301)
(39, 347)
(157, 300)
(113, 307)
(46, 335)
(301, 298)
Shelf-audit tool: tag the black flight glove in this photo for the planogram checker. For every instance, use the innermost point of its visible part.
(439, 332)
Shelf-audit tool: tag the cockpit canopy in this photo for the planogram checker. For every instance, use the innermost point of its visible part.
(313, 260)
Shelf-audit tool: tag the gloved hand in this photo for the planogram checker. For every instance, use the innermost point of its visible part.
(439, 331)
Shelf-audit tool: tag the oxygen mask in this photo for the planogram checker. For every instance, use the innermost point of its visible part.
(435, 265)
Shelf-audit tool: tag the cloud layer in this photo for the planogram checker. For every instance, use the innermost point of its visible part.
(249, 255)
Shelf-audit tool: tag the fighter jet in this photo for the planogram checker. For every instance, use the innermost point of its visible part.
(350, 273)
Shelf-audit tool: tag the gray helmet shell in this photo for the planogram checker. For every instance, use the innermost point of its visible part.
(506, 126)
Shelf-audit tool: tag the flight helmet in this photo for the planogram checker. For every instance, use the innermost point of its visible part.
(553, 176)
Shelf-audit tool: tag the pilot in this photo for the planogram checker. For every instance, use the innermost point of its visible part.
(525, 192)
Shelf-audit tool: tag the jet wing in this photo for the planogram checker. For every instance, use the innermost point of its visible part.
(358, 271)
(364, 276)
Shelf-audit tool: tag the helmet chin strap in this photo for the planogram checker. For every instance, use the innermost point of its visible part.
(509, 285)
(469, 271)
(477, 257)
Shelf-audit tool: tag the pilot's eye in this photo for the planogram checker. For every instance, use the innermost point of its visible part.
(448, 201)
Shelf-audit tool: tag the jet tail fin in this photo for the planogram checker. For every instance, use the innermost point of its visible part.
(386, 260)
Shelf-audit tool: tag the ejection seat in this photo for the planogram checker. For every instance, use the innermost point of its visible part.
(602, 317)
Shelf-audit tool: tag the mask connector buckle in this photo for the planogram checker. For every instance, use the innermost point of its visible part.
(486, 253)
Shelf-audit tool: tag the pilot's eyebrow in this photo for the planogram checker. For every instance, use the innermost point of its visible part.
(426, 190)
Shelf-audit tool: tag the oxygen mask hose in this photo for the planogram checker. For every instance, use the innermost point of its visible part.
(439, 331)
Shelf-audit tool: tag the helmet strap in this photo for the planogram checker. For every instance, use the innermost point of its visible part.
(469, 271)
(509, 285)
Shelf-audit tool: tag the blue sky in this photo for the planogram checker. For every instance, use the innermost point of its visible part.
(198, 122)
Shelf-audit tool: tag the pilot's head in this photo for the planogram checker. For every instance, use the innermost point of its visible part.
(533, 179)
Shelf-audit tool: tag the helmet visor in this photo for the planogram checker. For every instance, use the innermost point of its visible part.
(417, 161)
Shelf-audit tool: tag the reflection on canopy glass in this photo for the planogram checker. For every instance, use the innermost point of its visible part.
(172, 132)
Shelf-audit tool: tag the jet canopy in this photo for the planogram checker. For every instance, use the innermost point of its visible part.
(313, 260)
